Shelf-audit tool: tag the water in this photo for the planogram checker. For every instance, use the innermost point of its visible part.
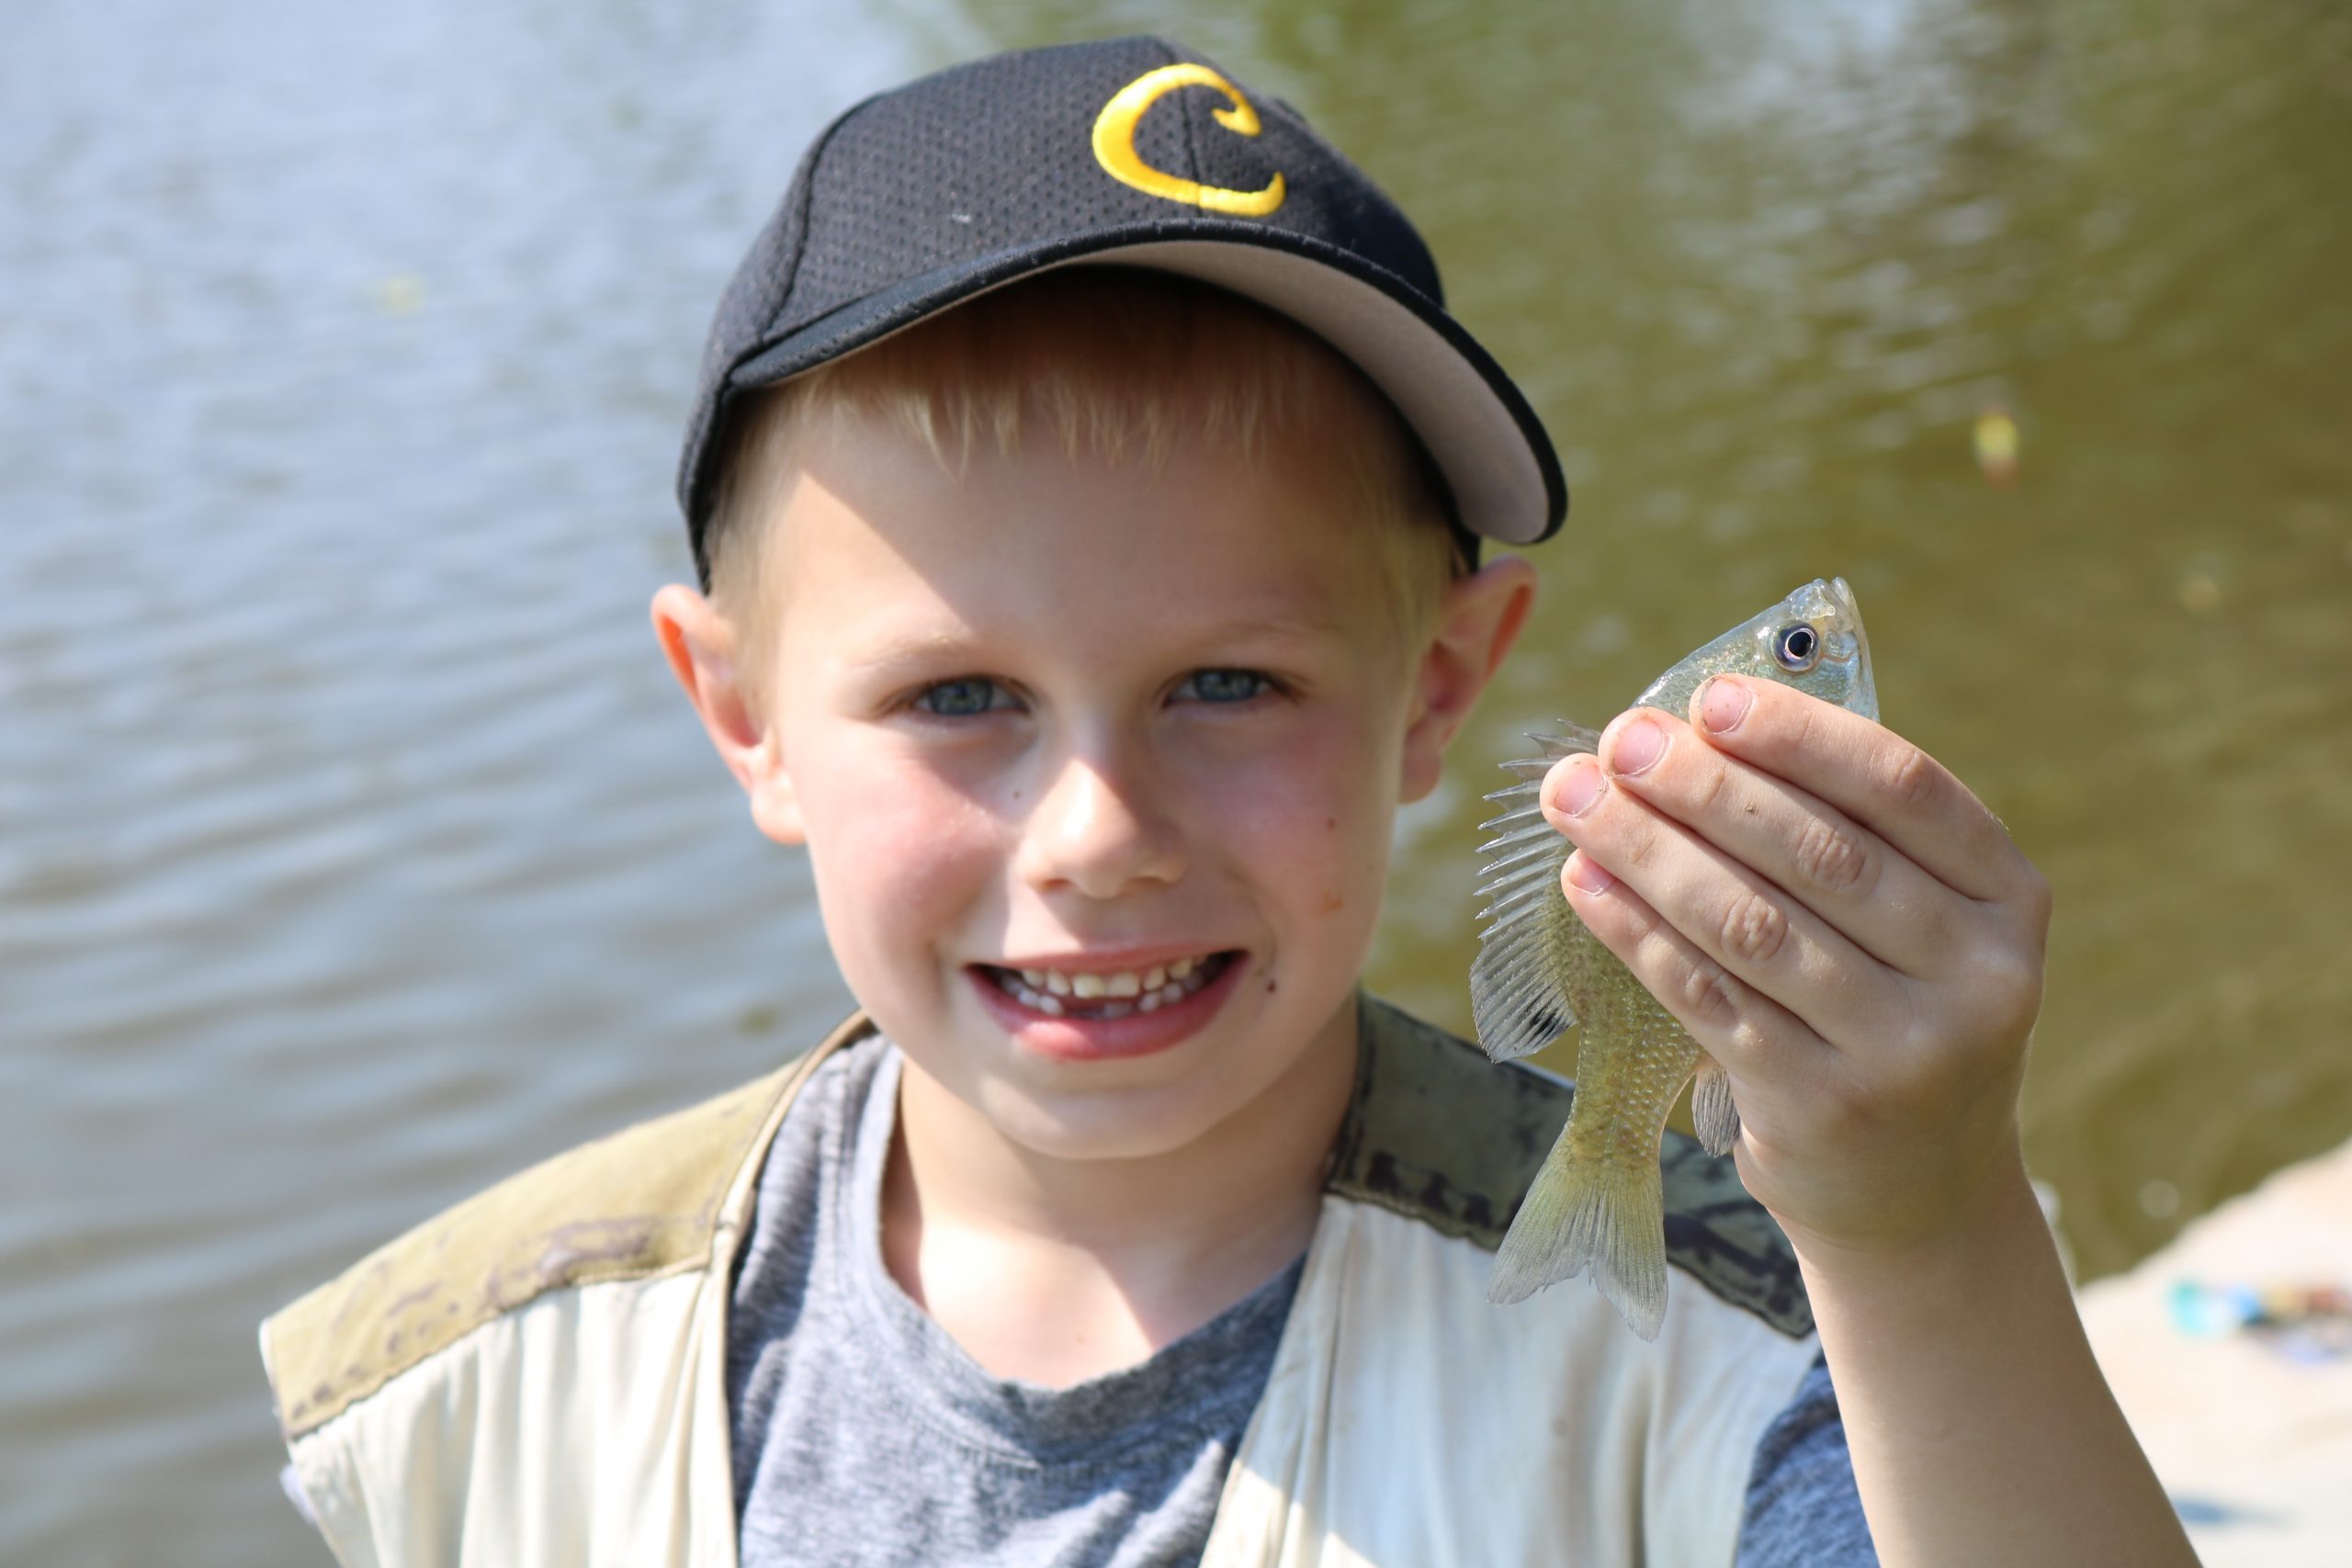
(355, 849)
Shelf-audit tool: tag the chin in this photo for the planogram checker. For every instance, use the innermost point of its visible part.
(1138, 1124)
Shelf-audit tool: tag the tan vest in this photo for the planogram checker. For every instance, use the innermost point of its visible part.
(539, 1375)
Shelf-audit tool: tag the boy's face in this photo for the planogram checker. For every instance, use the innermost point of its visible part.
(1067, 717)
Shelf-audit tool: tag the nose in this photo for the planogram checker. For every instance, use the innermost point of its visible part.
(1099, 829)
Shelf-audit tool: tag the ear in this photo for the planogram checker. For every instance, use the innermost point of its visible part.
(701, 646)
(1476, 623)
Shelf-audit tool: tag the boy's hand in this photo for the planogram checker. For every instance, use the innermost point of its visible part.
(1854, 938)
(1841, 925)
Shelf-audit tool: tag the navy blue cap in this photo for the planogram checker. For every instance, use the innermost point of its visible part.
(1129, 152)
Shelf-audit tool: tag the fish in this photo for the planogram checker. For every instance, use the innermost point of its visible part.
(1597, 1204)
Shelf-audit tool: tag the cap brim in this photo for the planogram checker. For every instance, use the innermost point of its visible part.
(1477, 427)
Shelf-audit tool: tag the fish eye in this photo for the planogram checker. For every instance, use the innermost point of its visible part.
(1798, 647)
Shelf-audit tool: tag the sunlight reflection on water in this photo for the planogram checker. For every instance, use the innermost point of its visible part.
(353, 848)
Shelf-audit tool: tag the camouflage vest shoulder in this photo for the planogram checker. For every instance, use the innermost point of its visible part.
(1438, 1133)
(645, 1200)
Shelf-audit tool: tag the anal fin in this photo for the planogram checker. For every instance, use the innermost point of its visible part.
(1712, 1114)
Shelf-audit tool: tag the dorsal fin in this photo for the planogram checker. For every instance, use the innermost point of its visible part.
(1519, 1001)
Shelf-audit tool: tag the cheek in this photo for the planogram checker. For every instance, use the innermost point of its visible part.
(1313, 814)
(896, 850)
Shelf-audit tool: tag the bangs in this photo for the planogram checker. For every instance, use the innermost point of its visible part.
(1120, 364)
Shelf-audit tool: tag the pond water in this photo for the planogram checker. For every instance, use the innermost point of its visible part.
(355, 850)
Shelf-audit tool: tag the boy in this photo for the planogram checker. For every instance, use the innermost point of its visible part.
(1086, 488)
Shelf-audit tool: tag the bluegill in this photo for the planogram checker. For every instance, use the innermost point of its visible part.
(1596, 1203)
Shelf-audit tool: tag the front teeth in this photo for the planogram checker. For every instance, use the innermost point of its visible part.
(1119, 994)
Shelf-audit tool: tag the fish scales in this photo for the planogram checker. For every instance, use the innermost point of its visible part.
(1596, 1204)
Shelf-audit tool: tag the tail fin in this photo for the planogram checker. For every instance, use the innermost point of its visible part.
(1582, 1214)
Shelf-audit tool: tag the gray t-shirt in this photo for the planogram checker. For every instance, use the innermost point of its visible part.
(863, 1435)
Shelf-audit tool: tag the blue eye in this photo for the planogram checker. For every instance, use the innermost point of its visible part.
(1225, 685)
(963, 697)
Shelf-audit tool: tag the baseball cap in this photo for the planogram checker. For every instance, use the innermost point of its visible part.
(1128, 151)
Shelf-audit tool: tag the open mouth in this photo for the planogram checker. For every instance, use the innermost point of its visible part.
(1059, 993)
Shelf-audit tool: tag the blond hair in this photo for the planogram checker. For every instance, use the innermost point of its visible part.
(1117, 362)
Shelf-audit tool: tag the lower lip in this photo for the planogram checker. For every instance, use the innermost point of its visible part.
(1067, 1039)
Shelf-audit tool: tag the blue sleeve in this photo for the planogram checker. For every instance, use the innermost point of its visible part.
(1802, 1510)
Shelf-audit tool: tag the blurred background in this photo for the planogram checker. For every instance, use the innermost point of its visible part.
(355, 849)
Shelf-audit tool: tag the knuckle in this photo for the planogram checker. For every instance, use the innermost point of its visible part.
(1941, 929)
(1800, 723)
(2002, 997)
(1707, 789)
(2008, 967)
(2016, 994)
(1921, 1039)
(1909, 776)
(1707, 996)
(1835, 858)
(2035, 895)
(1750, 1041)
(1754, 927)
(1634, 846)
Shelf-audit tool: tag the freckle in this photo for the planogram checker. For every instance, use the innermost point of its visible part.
(1333, 903)
(1332, 824)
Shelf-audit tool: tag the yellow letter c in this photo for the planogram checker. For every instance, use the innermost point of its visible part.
(1114, 141)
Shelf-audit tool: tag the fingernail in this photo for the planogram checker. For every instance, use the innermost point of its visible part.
(1588, 877)
(1636, 746)
(1723, 703)
(1583, 787)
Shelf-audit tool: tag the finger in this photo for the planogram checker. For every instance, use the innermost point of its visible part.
(1754, 931)
(1750, 1035)
(1870, 773)
(1864, 888)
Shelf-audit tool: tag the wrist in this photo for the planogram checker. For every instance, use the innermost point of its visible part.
(1998, 1232)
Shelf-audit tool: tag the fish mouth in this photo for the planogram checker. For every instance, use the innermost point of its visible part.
(1865, 693)
(1105, 994)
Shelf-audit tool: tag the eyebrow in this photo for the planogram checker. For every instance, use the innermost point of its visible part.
(1278, 626)
(919, 647)
(907, 649)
